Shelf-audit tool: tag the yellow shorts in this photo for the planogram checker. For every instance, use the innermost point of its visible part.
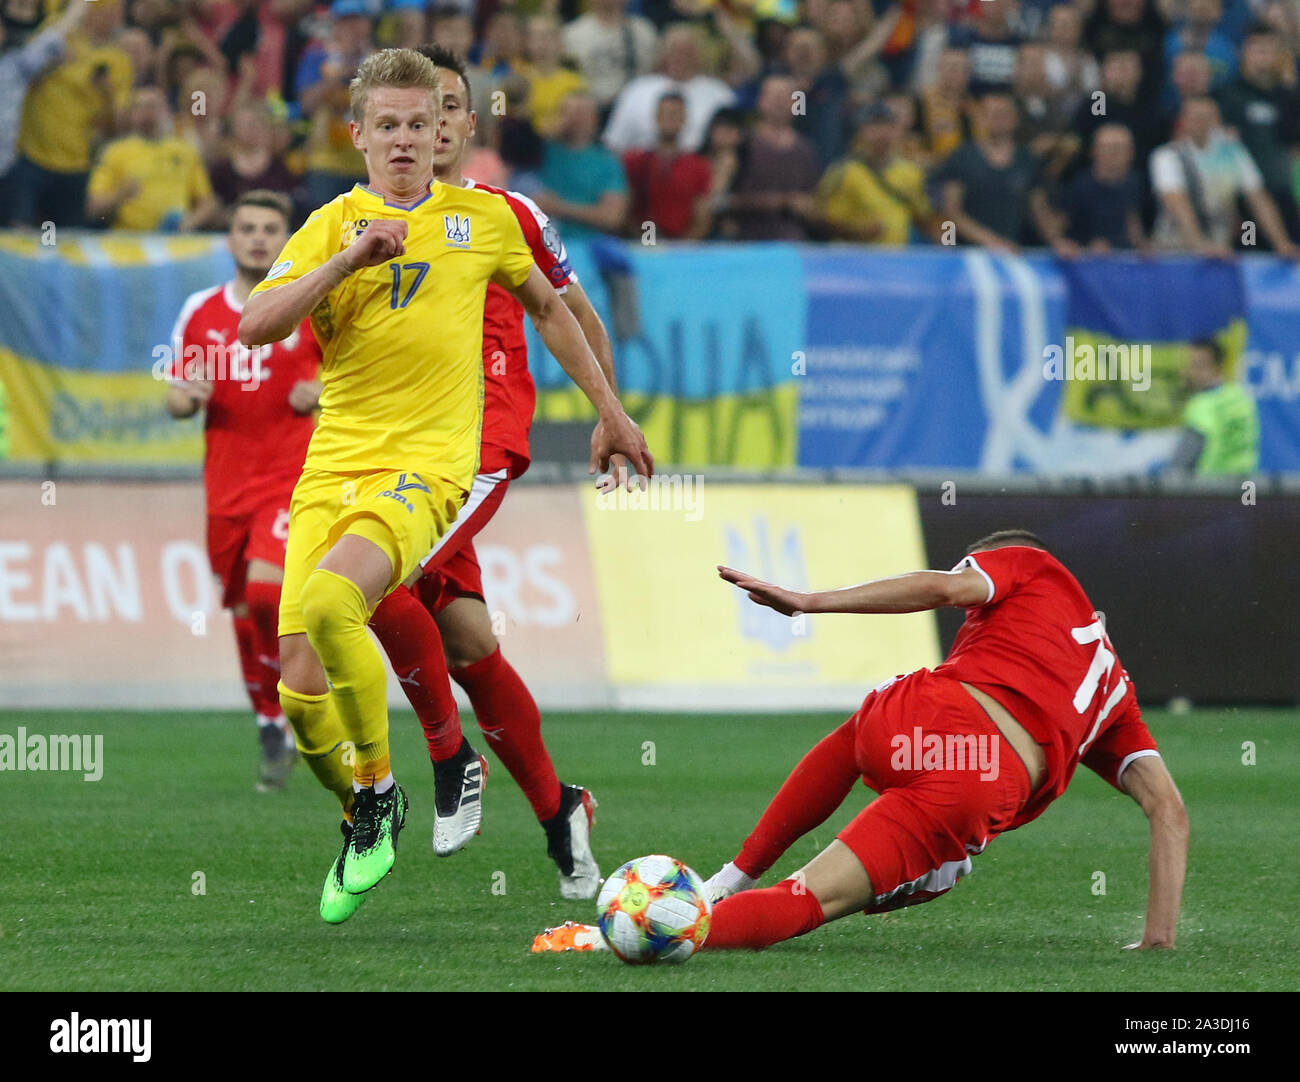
(404, 513)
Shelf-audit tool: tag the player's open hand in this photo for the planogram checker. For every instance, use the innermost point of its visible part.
(619, 434)
(383, 239)
(786, 602)
(620, 475)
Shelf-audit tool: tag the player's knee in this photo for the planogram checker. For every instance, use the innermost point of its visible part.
(300, 669)
(465, 654)
(329, 603)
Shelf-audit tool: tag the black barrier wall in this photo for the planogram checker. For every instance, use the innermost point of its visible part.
(1199, 592)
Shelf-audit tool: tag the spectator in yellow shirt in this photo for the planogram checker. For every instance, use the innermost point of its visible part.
(151, 180)
(68, 110)
(549, 81)
(875, 195)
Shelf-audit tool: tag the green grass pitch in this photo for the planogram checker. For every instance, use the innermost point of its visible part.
(98, 890)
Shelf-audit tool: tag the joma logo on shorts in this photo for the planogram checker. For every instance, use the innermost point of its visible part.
(410, 510)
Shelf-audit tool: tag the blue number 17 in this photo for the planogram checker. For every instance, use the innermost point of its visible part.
(421, 270)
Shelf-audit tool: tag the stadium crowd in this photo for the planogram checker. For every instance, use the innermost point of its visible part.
(1079, 124)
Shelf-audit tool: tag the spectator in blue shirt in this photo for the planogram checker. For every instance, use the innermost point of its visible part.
(581, 183)
(1102, 204)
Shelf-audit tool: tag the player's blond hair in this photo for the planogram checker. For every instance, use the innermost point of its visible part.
(395, 69)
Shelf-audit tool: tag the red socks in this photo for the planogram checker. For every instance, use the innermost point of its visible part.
(414, 647)
(815, 788)
(246, 641)
(263, 599)
(509, 718)
(754, 919)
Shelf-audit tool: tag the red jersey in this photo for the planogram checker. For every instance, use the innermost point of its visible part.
(255, 440)
(664, 190)
(510, 397)
(1039, 648)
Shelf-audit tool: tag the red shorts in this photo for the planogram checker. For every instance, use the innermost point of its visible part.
(451, 570)
(949, 783)
(234, 540)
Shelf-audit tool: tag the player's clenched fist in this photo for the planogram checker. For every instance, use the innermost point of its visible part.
(383, 239)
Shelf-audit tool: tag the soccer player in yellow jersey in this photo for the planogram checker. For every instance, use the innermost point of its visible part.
(393, 275)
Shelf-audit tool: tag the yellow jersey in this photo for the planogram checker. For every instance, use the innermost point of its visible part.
(58, 128)
(853, 194)
(171, 176)
(402, 342)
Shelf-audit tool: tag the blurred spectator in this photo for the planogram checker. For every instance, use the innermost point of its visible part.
(548, 80)
(911, 144)
(583, 186)
(610, 48)
(669, 187)
(18, 67)
(326, 69)
(1119, 103)
(875, 195)
(773, 193)
(855, 39)
(1220, 436)
(1198, 179)
(947, 109)
(1044, 115)
(1102, 204)
(453, 29)
(408, 24)
(826, 92)
(136, 44)
(1197, 33)
(1188, 78)
(502, 49)
(151, 179)
(722, 149)
(67, 112)
(202, 112)
(1072, 71)
(252, 160)
(1266, 114)
(1122, 25)
(929, 40)
(632, 123)
(991, 42)
(517, 139)
(991, 187)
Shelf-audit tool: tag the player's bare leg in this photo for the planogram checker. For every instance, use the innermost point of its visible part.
(509, 718)
(336, 603)
(261, 609)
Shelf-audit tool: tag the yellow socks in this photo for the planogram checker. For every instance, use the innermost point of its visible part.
(321, 740)
(336, 614)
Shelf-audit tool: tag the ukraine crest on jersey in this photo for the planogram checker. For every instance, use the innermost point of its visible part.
(403, 341)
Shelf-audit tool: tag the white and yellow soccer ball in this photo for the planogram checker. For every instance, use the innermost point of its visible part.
(654, 909)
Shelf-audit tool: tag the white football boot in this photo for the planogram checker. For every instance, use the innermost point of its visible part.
(458, 787)
(568, 843)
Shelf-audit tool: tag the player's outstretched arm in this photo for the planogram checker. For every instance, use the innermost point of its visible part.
(917, 591)
(274, 315)
(1148, 782)
(615, 431)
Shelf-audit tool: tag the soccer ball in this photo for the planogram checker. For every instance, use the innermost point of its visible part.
(654, 909)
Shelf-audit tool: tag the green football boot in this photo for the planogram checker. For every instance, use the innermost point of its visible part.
(377, 818)
(336, 904)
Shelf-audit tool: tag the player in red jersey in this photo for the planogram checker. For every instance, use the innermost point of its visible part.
(256, 429)
(451, 587)
(980, 745)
